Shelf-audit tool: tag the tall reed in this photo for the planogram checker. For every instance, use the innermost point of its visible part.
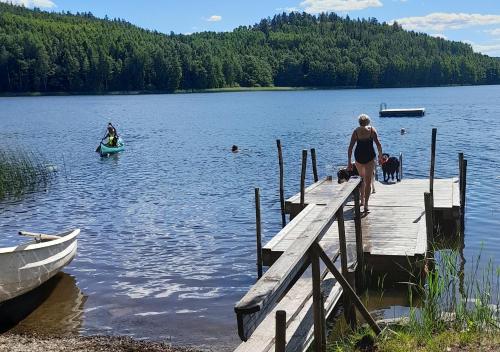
(22, 172)
(450, 302)
(453, 298)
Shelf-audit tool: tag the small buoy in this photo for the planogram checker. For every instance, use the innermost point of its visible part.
(403, 131)
(234, 148)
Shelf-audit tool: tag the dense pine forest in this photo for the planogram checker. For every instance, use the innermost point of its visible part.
(63, 52)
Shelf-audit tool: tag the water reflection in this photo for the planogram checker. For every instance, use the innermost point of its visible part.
(54, 308)
(168, 225)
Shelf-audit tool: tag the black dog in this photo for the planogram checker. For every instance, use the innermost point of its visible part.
(343, 175)
(390, 166)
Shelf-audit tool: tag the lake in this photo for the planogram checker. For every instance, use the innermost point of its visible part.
(168, 237)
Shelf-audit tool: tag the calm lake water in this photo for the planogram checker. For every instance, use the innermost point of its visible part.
(167, 241)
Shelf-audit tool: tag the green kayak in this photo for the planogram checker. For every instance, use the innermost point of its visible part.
(105, 149)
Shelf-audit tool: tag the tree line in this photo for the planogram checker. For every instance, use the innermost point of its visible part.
(64, 52)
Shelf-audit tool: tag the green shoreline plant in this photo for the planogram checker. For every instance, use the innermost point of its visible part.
(456, 308)
(22, 172)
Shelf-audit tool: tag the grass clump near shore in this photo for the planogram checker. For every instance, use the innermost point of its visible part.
(458, 312)
(22, 172)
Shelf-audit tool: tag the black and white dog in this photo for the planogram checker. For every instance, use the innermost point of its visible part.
(390, 166)
(343, 175)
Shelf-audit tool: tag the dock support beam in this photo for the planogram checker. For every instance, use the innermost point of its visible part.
(323, 321)
(429, 215)
(347, 289)
(303, 179)
(433, 162)
(282, 184)
(462, 191)
(349, 313)
(316, 292)
(400, 166)
(258, 228)
(460, 172)
(314, 166)
(361, 279)
(280, 342)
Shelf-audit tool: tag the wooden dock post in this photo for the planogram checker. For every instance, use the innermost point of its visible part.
(282, 183)
(314, 166)
(258, 228)
(361, 280)
(280, 344)
(303, 179)
(460, 170)
(463, 189)
(429, 215)
(349, 313)
(460, 189)
(316, 293)
(433, 161)
(400, 166)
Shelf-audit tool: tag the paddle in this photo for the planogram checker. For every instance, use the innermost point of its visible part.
(98, 149)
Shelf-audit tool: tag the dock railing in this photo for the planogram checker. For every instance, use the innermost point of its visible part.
(306, 251)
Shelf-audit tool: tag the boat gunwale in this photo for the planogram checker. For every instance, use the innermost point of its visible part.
(65, 237)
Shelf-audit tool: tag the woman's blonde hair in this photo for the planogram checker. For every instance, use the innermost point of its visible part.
(364, 120)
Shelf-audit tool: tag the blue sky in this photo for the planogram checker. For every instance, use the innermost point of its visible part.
(476, 22)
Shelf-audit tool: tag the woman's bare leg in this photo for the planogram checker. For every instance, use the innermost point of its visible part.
(368, 180)
(361, 172)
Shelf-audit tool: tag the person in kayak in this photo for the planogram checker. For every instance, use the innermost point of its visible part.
(112, 135)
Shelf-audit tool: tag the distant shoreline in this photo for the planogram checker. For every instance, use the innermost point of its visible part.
(217, 90)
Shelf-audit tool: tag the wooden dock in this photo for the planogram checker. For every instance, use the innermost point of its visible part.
(394, 231)
(285, 310)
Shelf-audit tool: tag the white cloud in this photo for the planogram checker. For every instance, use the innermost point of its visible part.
(494, 32)
(491, 49)
(438, 35)
(318, 6)
(32, 3)
(440, 21)
(214, 18)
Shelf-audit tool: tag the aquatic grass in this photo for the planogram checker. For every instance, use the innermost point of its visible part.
(456, 308)
(452, 299)
(22, 172)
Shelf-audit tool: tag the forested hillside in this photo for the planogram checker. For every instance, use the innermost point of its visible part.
(48, 52)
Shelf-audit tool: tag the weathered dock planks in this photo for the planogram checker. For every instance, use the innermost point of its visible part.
(407, 193)
(394, 231)
(297, 304)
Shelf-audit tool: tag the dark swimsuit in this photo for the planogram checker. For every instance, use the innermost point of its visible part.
(364, 152)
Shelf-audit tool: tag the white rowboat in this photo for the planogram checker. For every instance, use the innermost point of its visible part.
(27, 266)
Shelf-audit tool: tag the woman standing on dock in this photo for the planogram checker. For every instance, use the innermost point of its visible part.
(363, 137)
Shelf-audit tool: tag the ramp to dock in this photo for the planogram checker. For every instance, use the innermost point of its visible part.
(286, 285)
